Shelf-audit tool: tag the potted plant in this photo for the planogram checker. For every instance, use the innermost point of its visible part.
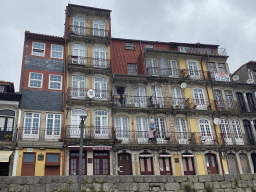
(7, 137)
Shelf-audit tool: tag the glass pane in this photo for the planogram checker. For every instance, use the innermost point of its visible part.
(167, 164)
(161, 165)
(207, 161)
(184, 164)
(213, 161)
(52, 158)
(2, 120)
(142, 166)
(190, 164)
(149, 163)
(29, 158)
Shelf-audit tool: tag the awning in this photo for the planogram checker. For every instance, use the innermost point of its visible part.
(146, 155)
(187, 155)
(91, 148)
(164, 155)
(4, 156)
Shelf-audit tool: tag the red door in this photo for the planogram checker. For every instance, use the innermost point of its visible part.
(146, 164)
(232, 164)
(211, 164)
(244, 163)
(125, 164)
(74, 163)
(165, 165)
(188, 164)
(101, 163)
(28, 164)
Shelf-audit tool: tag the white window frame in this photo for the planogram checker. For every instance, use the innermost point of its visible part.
(192, 72)
(32, 51)
(99, 24)
(122, 128)
(130, 46)
(31, 135)
(49, 86)
(57, 51)
(1, 89)
(35, 80)
(132, 67)
(53, 135)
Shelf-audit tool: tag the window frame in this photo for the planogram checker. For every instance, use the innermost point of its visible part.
(149, 46)
(31, 124)
(2, 89)
(131, 68)
(35, 80)
(32, 51)
(53, 128)
(130, 46)
(52, 163)
(49, 84)
(57, 51)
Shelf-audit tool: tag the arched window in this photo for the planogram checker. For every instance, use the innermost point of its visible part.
(199, 99)
(225, 130)
(206, 132)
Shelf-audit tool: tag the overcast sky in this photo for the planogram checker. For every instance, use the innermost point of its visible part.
(228, 23)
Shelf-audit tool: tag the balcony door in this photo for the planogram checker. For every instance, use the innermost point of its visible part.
(100, 86)
(122, 129)
(172, 68)
(99, 28)
(75, 122)
(53, 129)
(199, 99)
(99, 54)
(177, 101)
(153, 68)
(248, 131)
(140, 97)
(206, 132)
(212, 69)
(78, 54)
(211, 164)
(79, 25)
(6, 123)
(218, 99)
(31, 126)
(157, 99)
(101, 124)
(240, 99)
(142, 127)
(251, 103)
(229, 99)
(193, 70)
(225, 131)
(182, 130)
(237, 132)
(160, 130)
(78, 90)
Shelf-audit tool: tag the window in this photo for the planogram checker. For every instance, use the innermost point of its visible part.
(206, 132)
(142, 128)
(101, 124)
(55, 82)
(122, 129)
(177, 100)
(193, 70)
(100, 57)
(172, 68)
(78, 54)
(38, 49)
(100, 86)
(222, 68)
(98, 28)
(75, 122)
(1, 89)
(229, 99)
(132, 69)
(199, 99)
(35, 80)
(53, 126)
(78, 87)
(140, 97)
(149, 46)
(52, 159)
(182, 130)
(130, 46)
(57, 51)
(218, 99)
(153, 68)
(79, 25)
(160, 130)
(31, 125)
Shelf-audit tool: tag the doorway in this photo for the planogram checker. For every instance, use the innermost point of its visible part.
(124, 164)
(211, 164)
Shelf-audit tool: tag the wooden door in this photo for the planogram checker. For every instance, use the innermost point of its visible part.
(188, 165)
(248, 131)
(146, 166)
(101, 163)
(240, 99)
(74, 163)
(125, 164)
(211, 164)
(165, 166)
(253, 155)
(232, 164)
(28, 164)
(244, 163)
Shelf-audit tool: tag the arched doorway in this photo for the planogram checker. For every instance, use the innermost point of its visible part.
(188, 164)
(232, 164)
(244, 163)
(124, 164)
(165, 164)
(146, 164)
(211, 163)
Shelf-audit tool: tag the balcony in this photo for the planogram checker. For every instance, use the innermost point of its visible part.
(89, 62)
(90, 132)
(89, 32)
(225, 77)
(203, 51)
(200, 104)
(39, 134)
(81, 94)
(236, 139)
(158, 137)
(177, 73)
(227, 105)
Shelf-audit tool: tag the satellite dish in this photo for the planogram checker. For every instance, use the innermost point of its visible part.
(183, 85)
(91, 93)
(250, 81)
(235, 78)
(217, 121)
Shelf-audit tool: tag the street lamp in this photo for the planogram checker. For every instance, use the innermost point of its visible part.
(83, 117)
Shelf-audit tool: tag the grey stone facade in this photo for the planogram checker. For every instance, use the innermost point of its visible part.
(115, 183)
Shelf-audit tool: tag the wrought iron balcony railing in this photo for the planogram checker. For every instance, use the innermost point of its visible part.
(39, 134)
(200, 104)
(163, 137)
(89, 61)
(227, 105)
(203, 51)
(236, 139)
(86, 31)
(177, 73)
(77, 93)
(219, 76)
(90, 132)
